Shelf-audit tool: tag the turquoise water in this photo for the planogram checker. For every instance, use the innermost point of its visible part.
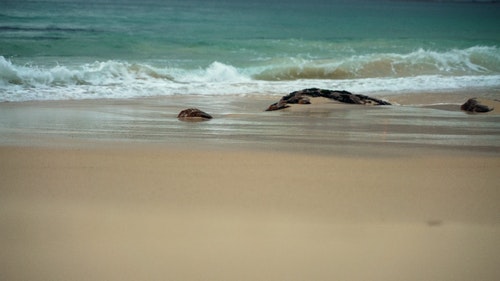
(69, 49)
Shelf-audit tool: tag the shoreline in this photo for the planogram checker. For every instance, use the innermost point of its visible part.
(241, 122)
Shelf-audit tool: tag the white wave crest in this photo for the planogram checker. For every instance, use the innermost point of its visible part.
(215, 72)
(457, 62)
(421, 70)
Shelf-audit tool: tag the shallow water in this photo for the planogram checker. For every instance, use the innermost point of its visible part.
(242, 122)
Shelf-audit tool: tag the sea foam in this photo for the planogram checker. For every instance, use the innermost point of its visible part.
(379, 72)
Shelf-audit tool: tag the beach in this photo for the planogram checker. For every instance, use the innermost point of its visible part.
(91, 203)
(99, 179)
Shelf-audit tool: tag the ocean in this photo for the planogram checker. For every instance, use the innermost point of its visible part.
(121, 49)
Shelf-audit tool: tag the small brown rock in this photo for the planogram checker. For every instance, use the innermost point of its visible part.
(193, 114)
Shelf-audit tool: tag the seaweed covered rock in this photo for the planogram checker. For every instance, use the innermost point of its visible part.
(193, 114)
(302, 97)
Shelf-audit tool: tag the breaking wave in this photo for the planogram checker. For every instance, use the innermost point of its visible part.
(471, 61)
(421, 69)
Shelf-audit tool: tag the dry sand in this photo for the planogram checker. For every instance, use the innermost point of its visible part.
(140, 212)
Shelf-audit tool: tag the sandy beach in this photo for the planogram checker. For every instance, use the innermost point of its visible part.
(91, 204)
(382, 177)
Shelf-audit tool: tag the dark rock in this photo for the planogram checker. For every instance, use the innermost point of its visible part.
(193, 114)
(304, 100)
(277, 106)
(472, 105)
(302, 97)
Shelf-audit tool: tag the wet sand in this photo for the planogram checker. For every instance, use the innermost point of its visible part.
(108, 190)
(415, 121)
